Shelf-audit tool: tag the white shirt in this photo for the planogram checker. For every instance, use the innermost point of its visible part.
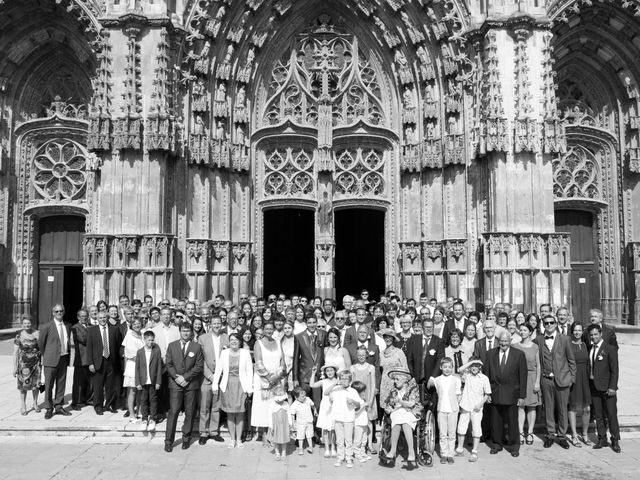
(446, 386)
(459, 324)
(341, 411)
(493, 340)
(64, 341)
(216, 346)
(504, 354)
(592, 357)
(549, 341)
(147, 357)
(299, 327)
(302, 411)
(425, 340)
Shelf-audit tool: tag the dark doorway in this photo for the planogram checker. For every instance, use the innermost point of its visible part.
(289, 252)
(359, 235)
(60, 278)
(585, 280)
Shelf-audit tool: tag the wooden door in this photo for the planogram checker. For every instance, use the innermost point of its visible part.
(585, 278)
(50, 290)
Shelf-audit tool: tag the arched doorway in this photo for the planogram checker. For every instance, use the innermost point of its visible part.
(60, 277)
(585, 279)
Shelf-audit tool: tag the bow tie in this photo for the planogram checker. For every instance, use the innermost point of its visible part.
(548, 337)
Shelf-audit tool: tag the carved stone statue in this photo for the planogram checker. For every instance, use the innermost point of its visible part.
(325, 213)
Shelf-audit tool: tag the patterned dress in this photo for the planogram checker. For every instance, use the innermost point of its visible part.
(27, 361)
(391, 359)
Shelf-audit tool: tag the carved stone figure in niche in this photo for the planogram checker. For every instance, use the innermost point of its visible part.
(260, 36)
(220, 105)
(200, 96)
(220, 132)
(426, 65)
(404, 71)
(454, 97)
(391, 39)
(213, 25)
(203, 61)
(430, 102)
(415, 35)
(325, 213)
(409, 107)
(224, 69)
(410, 137)
(240, 114)
(244, 73)
(240, 138)
(198, 127)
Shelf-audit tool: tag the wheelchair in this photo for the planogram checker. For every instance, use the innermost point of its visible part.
(424, 435)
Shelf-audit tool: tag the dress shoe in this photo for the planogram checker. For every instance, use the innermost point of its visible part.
(515, 453)
(600, 444)
(126, 414)
(493, 451)
(202, 441)
(564, 443)
(217, 438)
(185, 443)
(48, 414)
(113, 409)
(99, 411)
(615, 445)
(548, 441)
(75, 408)
(63, 412)
(168, 447)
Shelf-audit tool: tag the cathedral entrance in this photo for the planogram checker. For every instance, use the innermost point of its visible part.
(289, 251)
(60, 278)
(585, 281)
(359, 264)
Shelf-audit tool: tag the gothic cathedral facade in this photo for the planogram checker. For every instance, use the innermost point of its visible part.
(185, 148)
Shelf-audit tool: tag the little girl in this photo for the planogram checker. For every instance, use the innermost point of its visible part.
(366, 373)
(325, 421)
(280, 422)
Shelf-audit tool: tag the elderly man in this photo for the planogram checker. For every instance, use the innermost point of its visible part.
(53, 341)
(506, 369)
(81, 390)
(608, 333)
(352, 332)
(558, 372)
(103, 348)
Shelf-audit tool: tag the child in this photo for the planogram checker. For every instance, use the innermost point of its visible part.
(325, 421)
(148, 378)
(361, 426)
(366, 373)
(303, 410)
(344, 402)
(279, 410)
(477, 390)
(448, 387)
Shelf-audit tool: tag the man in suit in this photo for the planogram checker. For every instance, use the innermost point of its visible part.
(185, 364)
(558, 372)
(367, 341)
(507, 372)
(480, 350)
(212, 344)
(165, 333)
(603, 383)
(103, 347)
(608, 333)
(53, 342)
(308, 352)
(424, 353)
(339, 323)
(81, 390)
(351, 335)
(458, 321)
(562, 314)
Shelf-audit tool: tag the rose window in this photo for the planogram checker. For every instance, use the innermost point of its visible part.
(59, 170)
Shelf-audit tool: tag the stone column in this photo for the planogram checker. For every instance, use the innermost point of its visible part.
(325, 270)
(518, 134)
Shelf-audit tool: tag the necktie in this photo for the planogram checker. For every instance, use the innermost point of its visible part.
(184, 349)
(63, 346)
(490, 344)
(314, 344)
(105, 343)
(503, 360)
(594, 349)
(562, 330)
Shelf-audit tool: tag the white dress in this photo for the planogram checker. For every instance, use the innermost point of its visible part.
(287, 349)
(131, 346)
(334, 356)
(262, 396)
(325, 421)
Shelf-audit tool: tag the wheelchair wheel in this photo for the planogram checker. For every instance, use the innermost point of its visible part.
(426, 432)
(385, 438)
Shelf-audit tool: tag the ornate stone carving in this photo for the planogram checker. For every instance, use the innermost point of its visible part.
(456, 248)
(554, 140)
(197, 249)
(99, 136)
(500, 242)
(411, 252)
(288, 172)
(390, 38)
(427, 69)
(223, 71)
(433, 250)
(212, 26)
(240, 250)
(220, 105)
(359, 172)
(59, 170)
(220, 250)
(576, 174)
(494, 135)
(325, 251)
(558, 243)
(127, 133)
(531, 243)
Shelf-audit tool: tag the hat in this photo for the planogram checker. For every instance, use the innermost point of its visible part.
(329, 365)
(399, 371)
(388, 332)
(472, 361)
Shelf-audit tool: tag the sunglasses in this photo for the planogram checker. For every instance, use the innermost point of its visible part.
(164, 304)
(549, 323)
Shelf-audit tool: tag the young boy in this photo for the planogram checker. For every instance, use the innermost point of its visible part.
(449, 391)
(148, 378)
(344, 402)
(361, 424)
(303, 410)
(477, 390)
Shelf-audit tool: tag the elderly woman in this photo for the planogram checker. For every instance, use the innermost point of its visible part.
(234, 377)
(404, 334)
(26, 364)
(393, 358)
(404, 409)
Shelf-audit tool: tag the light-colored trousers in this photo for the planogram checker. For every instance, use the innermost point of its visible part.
(447, 422)
(344, 439)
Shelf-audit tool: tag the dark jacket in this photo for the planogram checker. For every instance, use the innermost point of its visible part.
(480, 350)
(422, 371)
(190, 366)
(49, 343)
(605, 368)
(304, 358)
(80, 333)
(155, 367)
(509, 384)
(94, 347)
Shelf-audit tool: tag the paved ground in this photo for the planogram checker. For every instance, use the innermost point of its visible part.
(86, 447)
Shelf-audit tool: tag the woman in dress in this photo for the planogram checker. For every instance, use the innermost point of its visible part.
(404, 335)
(234, 375)
(366, 373)
(334, 353)
(534, 321)
(393, 358)
(474, 317)
(287, 343)
(268, 374)
(198, 328)
(328, 379)
(299, 325)
(102, 306)
(580, 395)
(512, 328)
(528, 410)
(246, 314)
(469, 340)
(380, 324)
(455, 350)
(132, 342)
(404, 409)
(520, 318)
(26, 364)
(439, 317)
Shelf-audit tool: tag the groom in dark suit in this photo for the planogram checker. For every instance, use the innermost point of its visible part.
(185, 364)
(308, 352)
(507, 372)
(103, 352)
(424, 353)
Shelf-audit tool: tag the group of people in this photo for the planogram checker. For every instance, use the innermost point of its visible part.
(282, 369)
